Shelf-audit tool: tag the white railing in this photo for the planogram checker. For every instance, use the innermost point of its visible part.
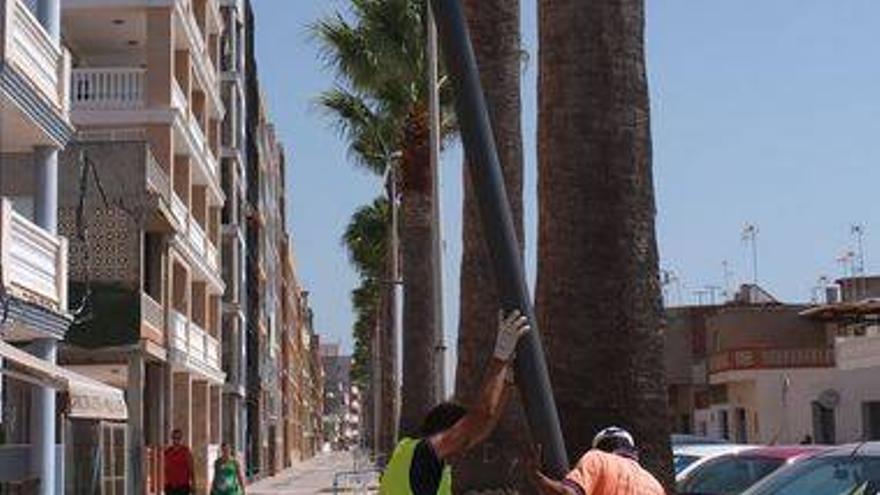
(152, 312)
(178, 97)
(857, 352)
(177, 330)
(197, 237)
(33, 262)
(178, 210)
(212, 256)
(107, 88)
(28, 47)
(212, 352)
(196, 342)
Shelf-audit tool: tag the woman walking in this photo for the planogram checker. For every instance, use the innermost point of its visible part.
(228, 479)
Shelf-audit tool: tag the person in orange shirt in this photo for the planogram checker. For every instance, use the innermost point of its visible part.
(611, 467)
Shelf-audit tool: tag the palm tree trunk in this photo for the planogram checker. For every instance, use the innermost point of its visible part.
(598, 293)
(388, 408)
(417, 396)
(495, 32)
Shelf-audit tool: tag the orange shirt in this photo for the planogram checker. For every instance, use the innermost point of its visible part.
(599, 473)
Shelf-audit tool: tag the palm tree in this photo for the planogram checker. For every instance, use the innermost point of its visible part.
(598, 293)
(495, 32)
(379, 58)
(366, 240)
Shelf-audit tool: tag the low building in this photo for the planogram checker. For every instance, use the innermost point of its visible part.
(768, 372)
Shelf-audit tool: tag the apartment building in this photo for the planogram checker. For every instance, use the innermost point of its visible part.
(341, 399)
(761, 371)
(234, 248)
(146, 101)
(34, 127)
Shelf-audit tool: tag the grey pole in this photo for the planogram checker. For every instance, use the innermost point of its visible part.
(486, 177)
(437, 230)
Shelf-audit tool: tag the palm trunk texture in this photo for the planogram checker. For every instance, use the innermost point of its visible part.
(417, 395)
(495, 33)
(598, 293)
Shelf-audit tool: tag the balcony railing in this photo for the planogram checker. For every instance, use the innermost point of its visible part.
(178, 210)
(152, 312)
(157, 179)
(177, 331)
(33, 262)
(108, 88)
(192, 342)
(197, 238)
(28, 47)
(750, 359)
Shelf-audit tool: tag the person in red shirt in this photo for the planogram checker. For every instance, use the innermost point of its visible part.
(179, 472)
(611, 467)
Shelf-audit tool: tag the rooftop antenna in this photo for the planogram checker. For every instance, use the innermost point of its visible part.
(728, 276)
(750, 235)
(858, 231)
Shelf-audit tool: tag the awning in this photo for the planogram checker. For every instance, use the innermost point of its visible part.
(87, 398)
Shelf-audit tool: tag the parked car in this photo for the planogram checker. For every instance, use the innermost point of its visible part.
(846, 470)
(732, 474)
(686, 458)
(679, 439)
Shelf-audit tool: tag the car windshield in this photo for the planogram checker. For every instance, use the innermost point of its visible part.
(826, 476)
(681, 461)
(728, 475)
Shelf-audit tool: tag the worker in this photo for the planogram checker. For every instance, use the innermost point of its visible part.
(419, 466)
(610, 468)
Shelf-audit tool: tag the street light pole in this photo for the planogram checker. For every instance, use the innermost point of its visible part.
(436, 220)
(488, 182)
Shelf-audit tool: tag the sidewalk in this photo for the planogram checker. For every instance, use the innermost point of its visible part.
(311, 477)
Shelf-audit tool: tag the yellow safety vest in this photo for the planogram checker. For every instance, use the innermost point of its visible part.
(395, 479)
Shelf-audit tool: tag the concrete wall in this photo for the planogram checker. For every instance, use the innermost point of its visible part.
(779, 403)
(114, 230)
(743, 327)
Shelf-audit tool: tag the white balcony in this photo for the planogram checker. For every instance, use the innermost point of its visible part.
(192, 347)
(177, 332)
(212, 256)
(26, 46)
(857, 352)
(108, 88)
(179, 211)
(33, 262)
(197, 238)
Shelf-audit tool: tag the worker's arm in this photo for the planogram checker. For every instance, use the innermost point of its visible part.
(479, 421)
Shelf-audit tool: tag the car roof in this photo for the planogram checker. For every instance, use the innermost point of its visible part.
(785, 452)
(870, 449)
(685, 439)
(709, 449)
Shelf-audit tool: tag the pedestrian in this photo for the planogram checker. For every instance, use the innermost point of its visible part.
(611, 467)
(179, 472)
(419, 466)
(228, 479)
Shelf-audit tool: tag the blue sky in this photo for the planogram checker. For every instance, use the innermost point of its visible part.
(763, 112)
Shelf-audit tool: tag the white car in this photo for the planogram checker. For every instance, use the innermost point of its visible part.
(686, 458)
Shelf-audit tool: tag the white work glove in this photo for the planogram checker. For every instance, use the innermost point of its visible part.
(510, 329)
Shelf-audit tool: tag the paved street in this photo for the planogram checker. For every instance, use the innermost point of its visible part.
(310, 477)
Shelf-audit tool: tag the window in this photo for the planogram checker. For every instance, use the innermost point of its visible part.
(113, 447)
(825, 476)
(679, 462)
(823, 424)
(729, 475)
(871, 420)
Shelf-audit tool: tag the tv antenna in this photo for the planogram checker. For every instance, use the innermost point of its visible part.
(750, 236)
